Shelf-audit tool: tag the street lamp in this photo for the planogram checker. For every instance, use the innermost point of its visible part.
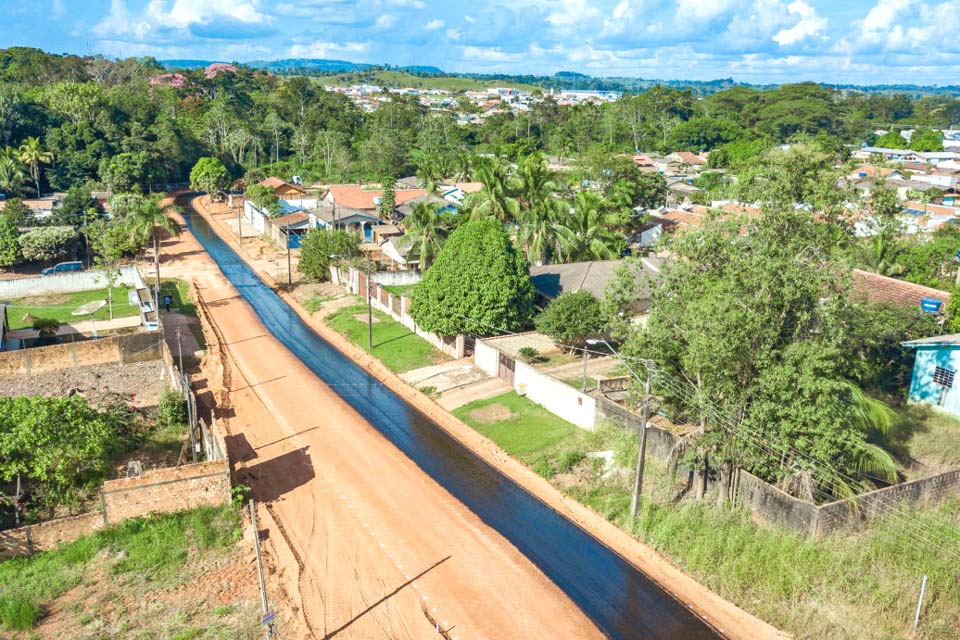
(645, 413)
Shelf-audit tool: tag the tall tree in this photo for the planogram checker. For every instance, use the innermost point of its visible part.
(539, 209)
(589, 231)
(145, 218)
(427, 230)
(496, 199)
(33, 155)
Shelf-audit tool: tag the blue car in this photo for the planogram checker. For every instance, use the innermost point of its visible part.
(63, 267)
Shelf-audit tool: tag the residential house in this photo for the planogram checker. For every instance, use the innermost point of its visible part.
(934, 372)
(338, 217)
(291, 198)
(289, 228)
(891, 155)
(686, 158)
(877, 289)
(550, 280)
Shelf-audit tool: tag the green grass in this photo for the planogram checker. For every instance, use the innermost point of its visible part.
(61, 306)
(154, 548)
(530, 429)
(393, 344)
(179, 290)
(400, 289)
(315, 304)
(849, 586)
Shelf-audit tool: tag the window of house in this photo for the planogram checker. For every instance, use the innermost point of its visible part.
(943, 377)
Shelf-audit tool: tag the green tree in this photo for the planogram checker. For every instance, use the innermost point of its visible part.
(46, 244)
(124, 171)
(703, 134)
(496, 198)
(264, 198)
(323, 247)
(388, 201)
(12, 177)
(891, 140)
(210, 176)
(20, 213)
(571, 318)
(427, 229)
(33, 155)
(590, 231)
(9, 242)
(145, 218)
(539, 209)
(651, 190)
(478, 285)
(926, 140)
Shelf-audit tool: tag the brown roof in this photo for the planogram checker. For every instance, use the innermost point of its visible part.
(354, 196)
(276, 183)
(931, 209)
(469, 187)
(871, 287)
(291, 218)
(690, 158)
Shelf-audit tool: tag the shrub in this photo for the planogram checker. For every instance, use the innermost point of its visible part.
(172, 409)
(571, 318)
(47, 327)
(47, 243)
(319, 245)
(567, 460)
(18, 613)
(529, 355)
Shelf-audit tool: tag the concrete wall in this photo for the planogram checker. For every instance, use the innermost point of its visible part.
(555, 396)
(486, 358)
(66, 283)
(770, 504)
(660, 442)
(164, 490)
(137, 347)
(156, 491)
(398, 278)
(397, 307)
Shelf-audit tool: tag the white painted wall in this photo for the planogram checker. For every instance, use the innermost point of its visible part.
(66, 283)
(555, 396)
(254, 216)
(486, 358)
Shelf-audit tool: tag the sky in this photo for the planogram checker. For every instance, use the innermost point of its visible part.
(832, 41)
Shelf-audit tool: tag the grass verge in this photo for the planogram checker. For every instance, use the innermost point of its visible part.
(849, 586)
(61, 307)
(393, 344)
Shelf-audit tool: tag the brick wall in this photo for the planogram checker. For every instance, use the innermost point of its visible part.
(173, 489)
(48, 535)
(137, 347)
(156, 491)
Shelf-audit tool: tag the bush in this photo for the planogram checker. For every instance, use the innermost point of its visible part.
(47, 327)
(319, 245)
(571, 318)
(172, 410)
(529, 355)
(18, 613)
(48, 243)
(567, 460)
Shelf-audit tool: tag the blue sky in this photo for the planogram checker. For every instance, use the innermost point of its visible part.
(859, 41)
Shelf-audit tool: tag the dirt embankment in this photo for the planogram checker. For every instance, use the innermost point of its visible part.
(722, 614)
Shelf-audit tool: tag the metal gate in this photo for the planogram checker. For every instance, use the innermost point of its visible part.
(505, 368)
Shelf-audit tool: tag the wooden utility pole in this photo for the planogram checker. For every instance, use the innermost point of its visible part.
(642, 448)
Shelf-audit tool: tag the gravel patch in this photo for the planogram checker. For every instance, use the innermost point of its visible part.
(139, 382)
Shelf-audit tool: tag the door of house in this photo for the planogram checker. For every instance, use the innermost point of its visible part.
(505, 369)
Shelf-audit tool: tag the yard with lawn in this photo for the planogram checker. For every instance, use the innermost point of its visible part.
(179, 292)
(60, 306)
(846, 586)
(393, 344)
(145, 578)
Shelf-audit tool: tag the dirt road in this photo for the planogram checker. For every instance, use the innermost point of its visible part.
(364, 544)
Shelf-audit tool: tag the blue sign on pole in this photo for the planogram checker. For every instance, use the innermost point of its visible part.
(267, 617)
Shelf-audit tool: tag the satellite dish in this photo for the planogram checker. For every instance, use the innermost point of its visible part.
(89, 308)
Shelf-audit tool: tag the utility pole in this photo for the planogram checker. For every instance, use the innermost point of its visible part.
(240, 226)
(585, 356)
(180, 352)
(289, 268)
(267, 614)
(642, 449)
(369, 316)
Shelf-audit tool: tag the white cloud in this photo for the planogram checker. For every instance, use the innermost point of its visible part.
(408, 4)
(567, 15)
(453, 34)
(433, 25)
(490, 54)
(320, 49)
(882, 16)
(386, 21)
(700, 11)
(809, 25)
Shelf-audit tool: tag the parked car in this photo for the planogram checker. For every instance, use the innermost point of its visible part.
(63, 267)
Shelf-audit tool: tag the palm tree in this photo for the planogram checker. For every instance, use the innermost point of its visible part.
(145, 217)
(879, 254)
(588, 232)
(496, 199)
(539, 208)
(426, 228)
(12, 177)
(33, 155)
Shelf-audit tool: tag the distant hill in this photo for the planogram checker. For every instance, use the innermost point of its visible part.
(434, 77)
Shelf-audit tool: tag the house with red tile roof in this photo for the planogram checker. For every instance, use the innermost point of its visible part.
(360, 198)
(877, 289)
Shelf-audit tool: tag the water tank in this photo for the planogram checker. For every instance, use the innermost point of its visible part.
(931, 304)
(377, 200)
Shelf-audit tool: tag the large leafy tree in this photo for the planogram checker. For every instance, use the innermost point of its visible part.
(209, 175)
(45, 244)
(264, 198)
(33, 155)
(591, 231)
(479, 284)
(738, 330)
